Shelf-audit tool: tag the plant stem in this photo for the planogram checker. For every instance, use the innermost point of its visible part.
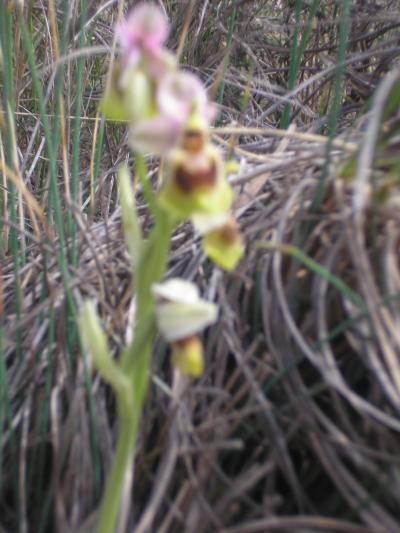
(121, 465)
(136, 358)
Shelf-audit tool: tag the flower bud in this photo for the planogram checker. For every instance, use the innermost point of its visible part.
(222, 241)
(96, 343)
(130, 219)
(145, 29)
(128, 96)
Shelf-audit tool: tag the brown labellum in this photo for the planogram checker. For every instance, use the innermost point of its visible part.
(188, 179)
(230, 231)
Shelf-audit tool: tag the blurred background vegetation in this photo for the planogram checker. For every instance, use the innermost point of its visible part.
(295, 425)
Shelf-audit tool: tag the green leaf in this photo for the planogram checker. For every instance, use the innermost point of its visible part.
(96, 343)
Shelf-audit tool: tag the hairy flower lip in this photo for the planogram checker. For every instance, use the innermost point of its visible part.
(199, 171)
(208, 201)
(224, 244)
(190, 180)
(222, 240)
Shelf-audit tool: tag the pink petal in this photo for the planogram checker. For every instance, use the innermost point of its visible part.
(179, 94)
(159, 62)
(126, 37)
(210, 112)
(155, 136)
(146, 27)
(134, 57)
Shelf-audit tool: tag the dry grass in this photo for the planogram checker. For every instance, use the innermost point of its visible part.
(295, 425)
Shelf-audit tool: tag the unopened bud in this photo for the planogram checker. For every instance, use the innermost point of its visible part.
(96, 343)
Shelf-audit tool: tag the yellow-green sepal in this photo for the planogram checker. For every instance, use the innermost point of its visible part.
(129, 95)
(113, 107)
(205, 200)
(137, 94)
(224, 254)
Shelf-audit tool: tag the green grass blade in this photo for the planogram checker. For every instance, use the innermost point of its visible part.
(297, 53)
(336, 104)
(76, 150)
(333, 280)
(231, 31)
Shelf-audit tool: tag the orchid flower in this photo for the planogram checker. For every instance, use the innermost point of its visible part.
(195, 175)
(142, 36)
(180, 98)
(222, 241)
(130, 94)
(169, 115)
(145, 30)
(181, 315)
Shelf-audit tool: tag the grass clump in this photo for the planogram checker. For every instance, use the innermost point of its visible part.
(294, 425)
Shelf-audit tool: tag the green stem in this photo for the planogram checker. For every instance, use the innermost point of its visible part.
(129, 415)
(136, 358)
(123, 457)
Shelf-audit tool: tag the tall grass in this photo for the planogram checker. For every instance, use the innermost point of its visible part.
(23, 47)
